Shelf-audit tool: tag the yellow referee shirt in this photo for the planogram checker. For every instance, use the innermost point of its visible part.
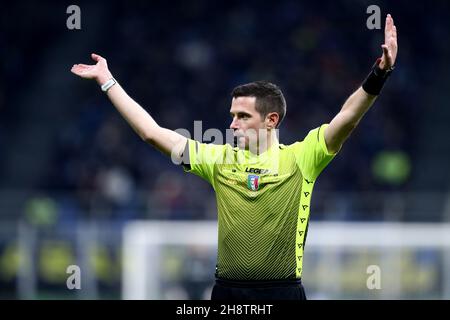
(263, 204)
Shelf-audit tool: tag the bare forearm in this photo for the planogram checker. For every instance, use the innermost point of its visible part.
(360, 101)
(138, 118)
(347, 119)
(356, 106)
(167, 141)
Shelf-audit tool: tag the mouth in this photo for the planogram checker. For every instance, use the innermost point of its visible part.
(239, 140)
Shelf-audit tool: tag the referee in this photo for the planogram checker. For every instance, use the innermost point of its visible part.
(263, 188)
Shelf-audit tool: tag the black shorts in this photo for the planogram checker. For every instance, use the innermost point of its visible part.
(258, 290)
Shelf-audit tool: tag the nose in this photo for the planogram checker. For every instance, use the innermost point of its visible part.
(234, 124)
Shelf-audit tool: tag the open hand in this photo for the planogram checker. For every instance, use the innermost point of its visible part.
(390, 44)
(98, 71)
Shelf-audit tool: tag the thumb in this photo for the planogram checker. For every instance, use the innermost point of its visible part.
(385, 50)
(96, 57)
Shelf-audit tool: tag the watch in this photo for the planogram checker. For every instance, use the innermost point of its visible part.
(108, 84)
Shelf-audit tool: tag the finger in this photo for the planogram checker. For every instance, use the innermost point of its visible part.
(393, 49)
(393, 40)
(77, 71)
(385, 50)
(96, 57)
(389, 21)
(76, 67)
(80, 68)
(392, 19)
(80, 65)
(388, 27)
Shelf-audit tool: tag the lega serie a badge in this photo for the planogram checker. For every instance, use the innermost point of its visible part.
(253, 182)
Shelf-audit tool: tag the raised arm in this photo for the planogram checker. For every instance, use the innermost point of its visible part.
(362, 99)
(167, 141)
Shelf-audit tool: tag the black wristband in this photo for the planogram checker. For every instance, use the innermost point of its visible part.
(374, 82)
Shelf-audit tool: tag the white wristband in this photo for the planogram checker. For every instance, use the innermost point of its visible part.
(108, 84)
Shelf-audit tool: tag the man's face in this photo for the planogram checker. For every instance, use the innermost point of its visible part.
(246, 121)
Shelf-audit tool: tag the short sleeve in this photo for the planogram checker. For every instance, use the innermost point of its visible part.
(312, 154)
(203, 158)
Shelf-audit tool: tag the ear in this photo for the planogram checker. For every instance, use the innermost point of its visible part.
(272, 120)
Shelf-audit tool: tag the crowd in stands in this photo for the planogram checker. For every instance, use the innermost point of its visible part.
(181, 61)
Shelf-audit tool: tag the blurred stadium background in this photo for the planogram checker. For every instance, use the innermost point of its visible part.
(78, 187)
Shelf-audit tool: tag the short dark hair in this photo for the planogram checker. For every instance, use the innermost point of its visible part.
(269, 97)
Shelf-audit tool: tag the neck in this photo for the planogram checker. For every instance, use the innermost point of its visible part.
(265, 142)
